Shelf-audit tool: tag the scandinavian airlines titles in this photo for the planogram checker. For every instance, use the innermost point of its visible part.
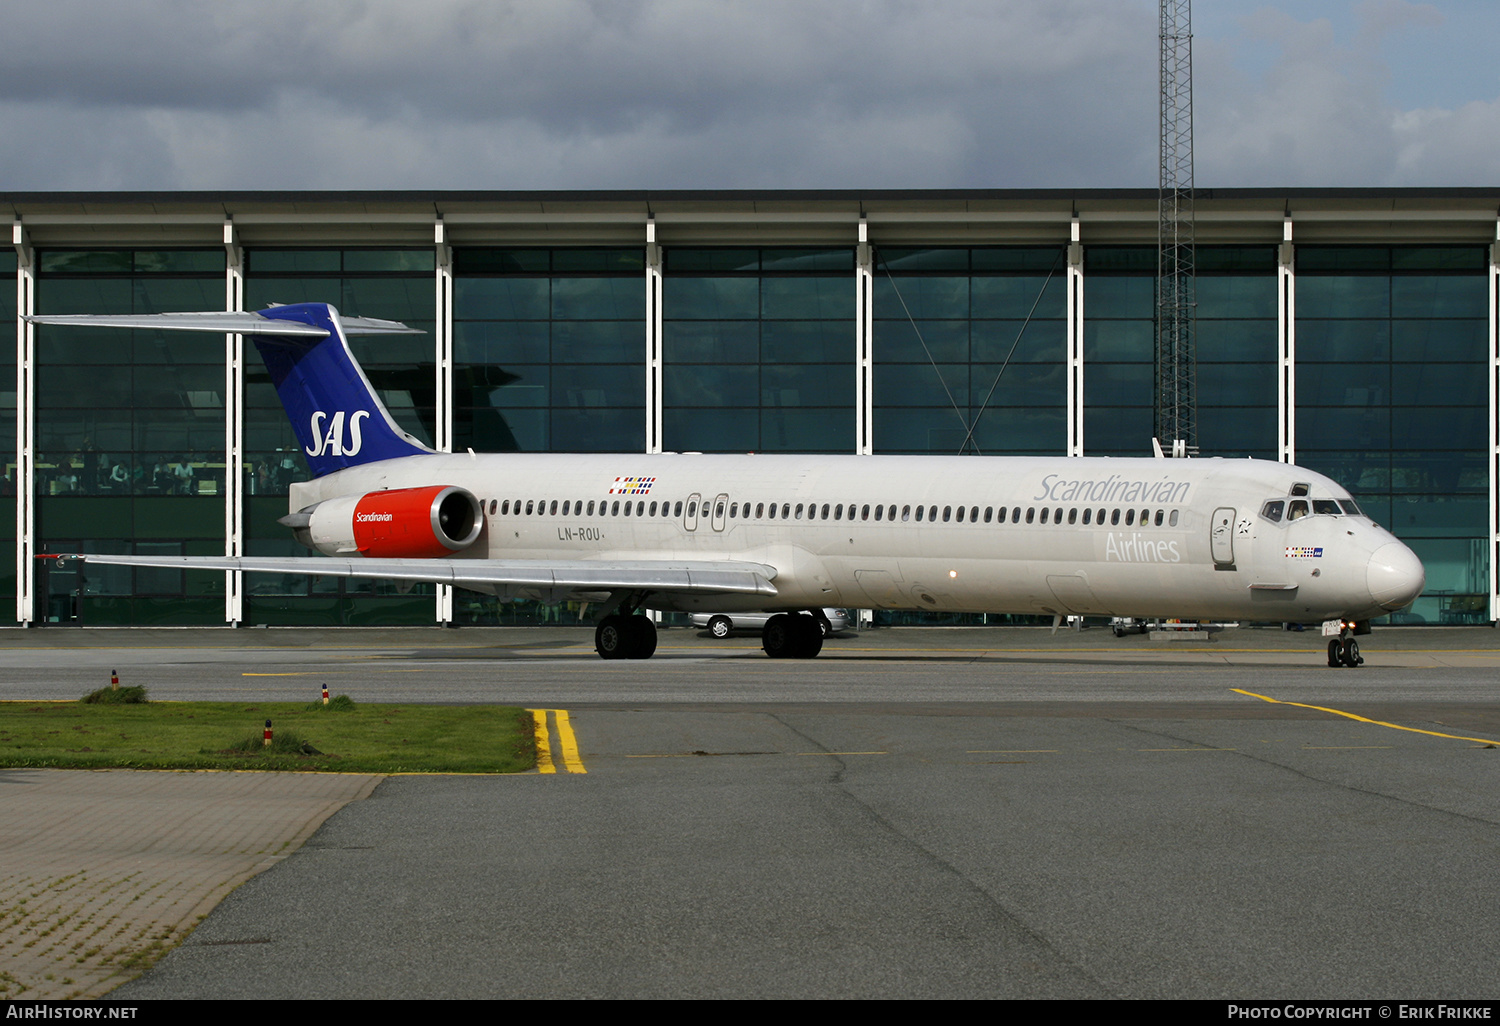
(1114, 488)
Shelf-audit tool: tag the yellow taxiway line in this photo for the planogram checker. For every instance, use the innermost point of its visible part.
(1366, 719)
(567, 742)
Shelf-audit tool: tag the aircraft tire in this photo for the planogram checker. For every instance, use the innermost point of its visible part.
(812, 637)
(778, 638)
(1335, 653)
(612, 637)
(1350, 653)
(642, 637)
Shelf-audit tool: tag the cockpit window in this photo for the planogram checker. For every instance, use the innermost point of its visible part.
(1351, 507)
(1301, 488)
(1297, 510)
(1326, 506)
(1272, 510)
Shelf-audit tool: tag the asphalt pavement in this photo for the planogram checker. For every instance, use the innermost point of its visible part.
(992, 813)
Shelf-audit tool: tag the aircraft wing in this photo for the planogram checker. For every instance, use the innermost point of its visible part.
(550, 577)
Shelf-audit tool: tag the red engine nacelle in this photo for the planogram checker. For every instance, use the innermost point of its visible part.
(413, 523)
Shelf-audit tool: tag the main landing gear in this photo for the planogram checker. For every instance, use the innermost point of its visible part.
(625, 637)
(792, 636)
(1344, 650)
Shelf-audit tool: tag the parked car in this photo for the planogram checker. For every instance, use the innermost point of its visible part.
(720, 624)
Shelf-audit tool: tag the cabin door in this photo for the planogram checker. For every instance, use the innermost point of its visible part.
(1221, 536)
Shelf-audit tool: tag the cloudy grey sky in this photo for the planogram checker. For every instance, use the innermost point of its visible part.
(680, 94)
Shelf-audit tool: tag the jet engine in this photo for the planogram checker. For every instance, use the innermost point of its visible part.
(414, 523)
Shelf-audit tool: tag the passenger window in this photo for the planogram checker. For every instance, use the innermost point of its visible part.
(1030, 514)
(878, 511)
(760, 510)
(771, 511)
(530, 505)
(905, 514)
(825, 512)
(932, 513)
(921, 512)
(1001, 517)
(1271, 511)
(799, 511)
(566, 505)
(989, 513)
(1159, 516)
(838, 512)
(614, 509)
(1172, 521)
(1129, 517)
(678, 507)
(960, 514)
(1057, 515)
(627, 509)
(864, 513)
(1015, 516)
(1072, 516)
(1088, 516)
(947, 514)
(1045, 511)
(786, 510)
(505, 508)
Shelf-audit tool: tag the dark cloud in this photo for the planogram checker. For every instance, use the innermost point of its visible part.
(677, 94)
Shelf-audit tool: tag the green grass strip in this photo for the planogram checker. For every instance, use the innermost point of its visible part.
(227, 736)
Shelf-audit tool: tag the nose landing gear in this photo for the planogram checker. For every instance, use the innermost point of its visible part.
(1344, 650)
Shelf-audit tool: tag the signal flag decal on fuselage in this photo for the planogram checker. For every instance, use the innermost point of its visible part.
(632, 486)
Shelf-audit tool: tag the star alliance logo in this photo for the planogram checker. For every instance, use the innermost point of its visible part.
(333, 442)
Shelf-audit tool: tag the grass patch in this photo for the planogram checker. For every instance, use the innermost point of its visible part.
(116, 696)
(228, 735)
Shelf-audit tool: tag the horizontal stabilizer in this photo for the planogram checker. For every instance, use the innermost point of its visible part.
(246, 323)
(702, 577)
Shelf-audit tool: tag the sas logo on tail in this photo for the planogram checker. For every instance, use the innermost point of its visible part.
(333, 441)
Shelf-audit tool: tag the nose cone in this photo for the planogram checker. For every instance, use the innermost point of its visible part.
(1395, 575)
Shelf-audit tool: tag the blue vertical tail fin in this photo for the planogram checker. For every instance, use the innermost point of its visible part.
(338, 419)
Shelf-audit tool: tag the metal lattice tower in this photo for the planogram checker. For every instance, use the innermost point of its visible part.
(1176, 296)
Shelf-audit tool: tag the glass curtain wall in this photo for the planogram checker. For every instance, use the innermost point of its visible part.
(396, 284)
(549, 355)
(758, 350)
(958, 366)
(1392, 402)
(129, 437)
(1236, 350)
(549, 350)
(1119, 317)
(1236, 339)
(8, 422)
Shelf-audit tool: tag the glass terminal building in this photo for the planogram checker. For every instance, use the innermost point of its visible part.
(1350, 331)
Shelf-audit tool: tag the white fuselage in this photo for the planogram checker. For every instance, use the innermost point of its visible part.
(1177, 538)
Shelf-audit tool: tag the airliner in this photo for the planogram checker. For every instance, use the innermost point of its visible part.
(1201, 538)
